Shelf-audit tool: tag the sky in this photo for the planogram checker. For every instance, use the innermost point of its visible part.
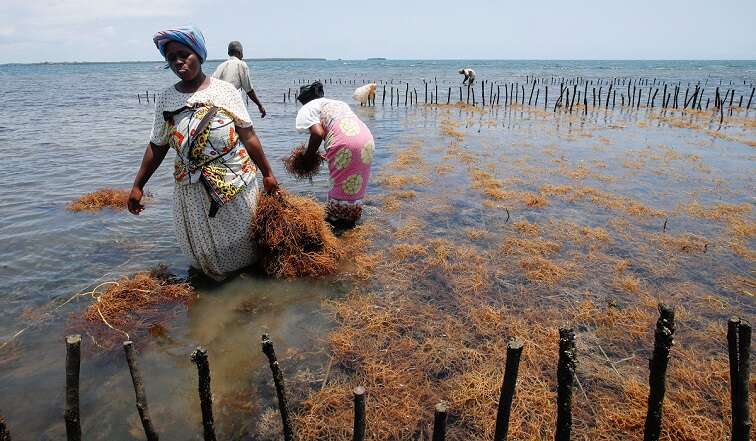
(121, 30)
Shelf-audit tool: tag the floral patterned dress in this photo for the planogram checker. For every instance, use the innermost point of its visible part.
(220, 243)
(349, 149)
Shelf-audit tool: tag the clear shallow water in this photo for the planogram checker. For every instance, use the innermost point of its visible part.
(70, 129)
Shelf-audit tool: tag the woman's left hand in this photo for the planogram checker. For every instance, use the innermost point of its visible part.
(270, 184)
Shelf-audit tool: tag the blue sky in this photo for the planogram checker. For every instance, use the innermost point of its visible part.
(120, 30)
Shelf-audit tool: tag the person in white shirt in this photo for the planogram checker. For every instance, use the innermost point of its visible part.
(235, 71)
(469, 75)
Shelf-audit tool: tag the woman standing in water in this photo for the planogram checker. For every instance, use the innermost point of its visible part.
(206, 122)
(349, 150)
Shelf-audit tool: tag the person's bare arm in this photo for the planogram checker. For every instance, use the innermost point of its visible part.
(255, 150)
(317, 134)
(153, 157)
(253, 96)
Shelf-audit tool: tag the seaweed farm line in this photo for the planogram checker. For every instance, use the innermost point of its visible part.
(512, 259)
(739, 347)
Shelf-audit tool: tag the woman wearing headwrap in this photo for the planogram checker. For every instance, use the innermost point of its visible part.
(349, 149)
(217, 155)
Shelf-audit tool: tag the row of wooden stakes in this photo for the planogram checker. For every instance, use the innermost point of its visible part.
(739, 348)
(515, 93)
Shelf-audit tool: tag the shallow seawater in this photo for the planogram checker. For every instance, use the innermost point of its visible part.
(89, 131)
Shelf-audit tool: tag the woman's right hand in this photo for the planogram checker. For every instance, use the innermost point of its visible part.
(135, 199)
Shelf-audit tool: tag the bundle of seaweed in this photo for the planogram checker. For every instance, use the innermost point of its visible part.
(302, 166)
(102, 198)
(137, 303)
(293, 237)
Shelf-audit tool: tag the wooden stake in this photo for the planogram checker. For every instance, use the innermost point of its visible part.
(283, 404)
(71, 410)
(663, 342)
(4, 431)
(199, 357)
(439, 422)
(141, 396)
(739, 349)
(514, 350)
(750, 98)
(448, 97)
(358, 434)
(565, 377)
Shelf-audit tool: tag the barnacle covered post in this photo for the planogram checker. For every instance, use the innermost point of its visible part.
(199, 357)
(663, 342)
(283, 404)
(565, 379)
(739, 350)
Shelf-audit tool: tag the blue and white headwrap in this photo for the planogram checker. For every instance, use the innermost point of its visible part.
(188, 35)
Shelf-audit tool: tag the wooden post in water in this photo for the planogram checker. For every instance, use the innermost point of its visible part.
(426, 91)
(483, 93)
(514, 350)
(750, 98)
(448, 97)
(663, 342)
(538, 92)
(358, 433)
(565, 378)
(406, 92)
(383, 101)
(199, 357)
(392, 97)
(71, 409)
(141, 396)
(139, 98)
(739, 350)
(608, 94)
(4, 431)
(283, 404)
(530, 98)
(546, 99)
(439, 422)
(436, 93)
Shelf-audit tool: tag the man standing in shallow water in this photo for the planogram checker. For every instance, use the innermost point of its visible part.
(235, 71)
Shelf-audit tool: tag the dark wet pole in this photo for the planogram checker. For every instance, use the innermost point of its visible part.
(514, 351)
(565, 379)
(663, 342)
(439, 422)
(358, 433)
(199, 357)
(278, 380)
(71, 410)
(739, 351)
(141, 396)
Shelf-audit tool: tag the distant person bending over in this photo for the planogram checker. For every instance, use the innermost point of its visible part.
(469, 75)
(217, 158)
(349, 149)
(235, 71)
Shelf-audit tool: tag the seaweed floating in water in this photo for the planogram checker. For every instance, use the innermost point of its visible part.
(294, 238)
(103, 198)
(137, 303)
(301, 166)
